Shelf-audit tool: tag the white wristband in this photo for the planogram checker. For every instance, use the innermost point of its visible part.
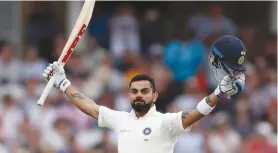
(64, 85)
(204, 108)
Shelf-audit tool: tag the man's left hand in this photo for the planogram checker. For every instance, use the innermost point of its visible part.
(230, 87)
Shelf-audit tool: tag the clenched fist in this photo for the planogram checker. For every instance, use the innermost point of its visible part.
(229, 88)
(57, 71)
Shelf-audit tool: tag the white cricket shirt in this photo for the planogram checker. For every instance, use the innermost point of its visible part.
(153, 133)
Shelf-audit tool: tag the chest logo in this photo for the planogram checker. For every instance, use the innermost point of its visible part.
(147, 131)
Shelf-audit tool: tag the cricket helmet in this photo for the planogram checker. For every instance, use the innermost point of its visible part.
(227, 56)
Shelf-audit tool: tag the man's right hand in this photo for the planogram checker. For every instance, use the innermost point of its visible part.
(57, 71)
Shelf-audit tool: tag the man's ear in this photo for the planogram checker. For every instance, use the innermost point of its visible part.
(155, 96)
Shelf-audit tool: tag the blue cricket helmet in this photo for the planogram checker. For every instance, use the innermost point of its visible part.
(231, 51)
(227, 57)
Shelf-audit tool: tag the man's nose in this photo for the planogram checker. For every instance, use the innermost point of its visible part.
(138, 94)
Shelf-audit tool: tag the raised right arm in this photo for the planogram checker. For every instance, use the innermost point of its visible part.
(85, 104)
(82, 102)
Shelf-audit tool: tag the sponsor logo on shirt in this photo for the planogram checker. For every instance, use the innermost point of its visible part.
(124, 130)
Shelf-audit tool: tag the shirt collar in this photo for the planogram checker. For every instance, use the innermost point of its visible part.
(150, 112)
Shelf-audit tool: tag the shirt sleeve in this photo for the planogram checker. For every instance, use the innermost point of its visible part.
(172, 124)
(108, 118)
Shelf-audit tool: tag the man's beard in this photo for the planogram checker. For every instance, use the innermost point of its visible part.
(141, 107)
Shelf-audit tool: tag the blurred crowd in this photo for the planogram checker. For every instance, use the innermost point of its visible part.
(118, 46)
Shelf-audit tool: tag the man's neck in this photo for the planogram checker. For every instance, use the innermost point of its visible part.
(140, 114)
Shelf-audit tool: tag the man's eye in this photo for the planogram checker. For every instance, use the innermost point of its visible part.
(133, 91)
(145, 91)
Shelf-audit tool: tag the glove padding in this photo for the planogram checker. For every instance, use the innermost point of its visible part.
(56, 70)
(230, 87)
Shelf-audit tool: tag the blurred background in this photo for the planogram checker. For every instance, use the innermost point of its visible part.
(168, 40)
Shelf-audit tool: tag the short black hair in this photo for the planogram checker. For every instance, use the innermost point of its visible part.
(141, 77)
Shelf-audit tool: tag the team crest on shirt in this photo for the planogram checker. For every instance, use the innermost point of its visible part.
(147, 131)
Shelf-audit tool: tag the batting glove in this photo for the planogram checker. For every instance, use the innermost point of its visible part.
(229, 87)
(57, 71)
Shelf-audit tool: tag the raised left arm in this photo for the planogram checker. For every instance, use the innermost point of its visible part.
(188, 118)
(226, 88)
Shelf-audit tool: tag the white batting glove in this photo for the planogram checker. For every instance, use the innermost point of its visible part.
(228, 87)
(56, 70)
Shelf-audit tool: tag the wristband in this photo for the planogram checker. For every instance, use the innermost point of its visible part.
(204, 108)
(64, 84)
